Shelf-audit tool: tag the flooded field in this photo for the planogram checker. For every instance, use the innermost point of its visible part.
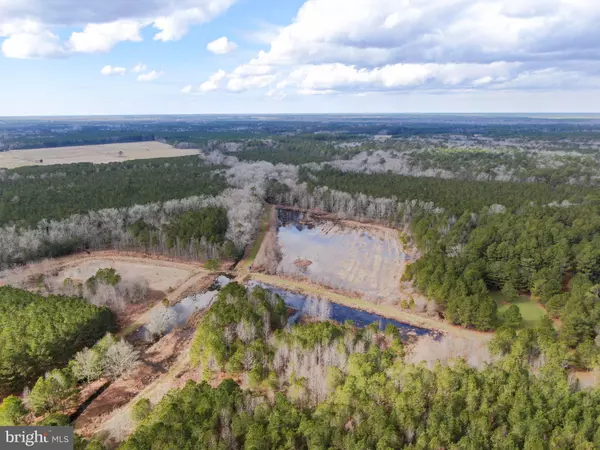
(325, 310)
(364, 259)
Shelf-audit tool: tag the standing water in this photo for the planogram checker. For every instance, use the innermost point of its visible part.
(325, 310)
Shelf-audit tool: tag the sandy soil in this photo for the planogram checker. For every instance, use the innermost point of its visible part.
(161, 273)
(159, 277)
(97, 154)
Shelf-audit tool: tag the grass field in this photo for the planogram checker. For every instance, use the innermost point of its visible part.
(97, 154)
(531, 310)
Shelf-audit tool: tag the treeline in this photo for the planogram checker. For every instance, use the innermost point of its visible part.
(30, 194)
(321, 385)
(95, 137)
(293, 150)
(197, 228)
(455, 196)
(553, 253)
(38, 333)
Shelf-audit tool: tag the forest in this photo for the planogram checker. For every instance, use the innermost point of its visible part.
(493, 211)
(38, 334)
(30, 194)
(335, 386)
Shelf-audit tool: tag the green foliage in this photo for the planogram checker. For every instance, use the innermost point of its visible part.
(144, 233)
(455, 196)
(78, 188)
(512, 317)
(106, 276)
(12, 411)
(141, 409)
(55, 420)
(212, 265)
(88, 364)
(236, 324)
(39, 333)
(378, 404)
(51, 392)
(208, 223)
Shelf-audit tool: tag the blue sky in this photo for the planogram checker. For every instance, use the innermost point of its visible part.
(78, 56)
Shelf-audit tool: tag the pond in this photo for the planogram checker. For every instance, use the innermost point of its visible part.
(358, 258)
(325, 310)
(183, 310)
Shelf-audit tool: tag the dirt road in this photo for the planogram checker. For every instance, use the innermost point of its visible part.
(389, 311)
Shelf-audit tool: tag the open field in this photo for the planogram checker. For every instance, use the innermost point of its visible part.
(160, 274)
(531, 311)
(97, 154)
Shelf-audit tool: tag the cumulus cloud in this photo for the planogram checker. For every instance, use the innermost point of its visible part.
(221, 46)
(30, 26)
(213, 83)
(334, 46)
(110, 70)
(102, 37)
(150, 76)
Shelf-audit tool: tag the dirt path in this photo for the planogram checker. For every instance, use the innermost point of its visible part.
(365, 305)
(155, 363)
(197, 283)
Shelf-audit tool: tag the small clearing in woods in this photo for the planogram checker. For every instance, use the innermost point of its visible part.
(97, 154)
(161, 275)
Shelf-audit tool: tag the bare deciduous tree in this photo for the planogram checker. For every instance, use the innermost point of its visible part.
(120, 358)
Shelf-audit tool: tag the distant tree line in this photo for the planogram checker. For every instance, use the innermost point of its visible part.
(30, 194)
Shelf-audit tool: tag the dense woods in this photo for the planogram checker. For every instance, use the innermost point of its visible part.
(455, 196)
(500, 212)
(30, 194)
(39, 333)
(366, 396)
(550, 252)
(144, 228)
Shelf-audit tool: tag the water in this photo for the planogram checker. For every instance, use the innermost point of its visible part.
(182, 311)
(363, 259)
(324, 310)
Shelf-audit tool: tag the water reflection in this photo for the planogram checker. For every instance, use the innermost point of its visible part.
(324, 310)
(367, 260)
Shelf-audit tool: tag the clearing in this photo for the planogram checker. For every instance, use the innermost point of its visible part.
(97, 154)
(531, 311)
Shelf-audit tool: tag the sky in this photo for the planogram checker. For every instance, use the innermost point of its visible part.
(88, 57)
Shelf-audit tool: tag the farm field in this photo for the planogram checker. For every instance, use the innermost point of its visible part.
(97, 154)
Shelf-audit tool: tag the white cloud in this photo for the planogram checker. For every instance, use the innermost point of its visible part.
(336, 46)
(214, 82)
(110, 70)
(150, 76)
(139, 68)
(104, 36)
(105, 23)
(221, 46)
(187, 89)
(32, 45)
